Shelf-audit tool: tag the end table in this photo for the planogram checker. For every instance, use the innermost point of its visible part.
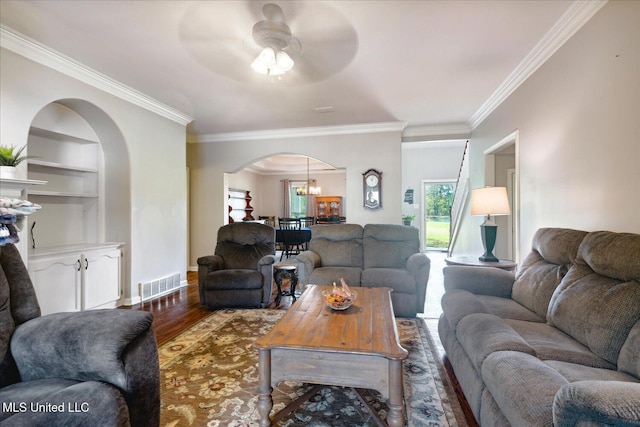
(470, 261)
(285, 272)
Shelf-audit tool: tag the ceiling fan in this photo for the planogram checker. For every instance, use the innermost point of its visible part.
(274, 36)
(226, 37)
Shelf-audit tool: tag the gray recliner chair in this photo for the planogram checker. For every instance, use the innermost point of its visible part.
(97, 367)
(240, 273)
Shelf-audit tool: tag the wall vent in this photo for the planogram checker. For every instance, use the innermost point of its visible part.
(158, 287)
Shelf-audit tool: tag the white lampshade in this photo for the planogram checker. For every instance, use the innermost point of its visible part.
(490, 201)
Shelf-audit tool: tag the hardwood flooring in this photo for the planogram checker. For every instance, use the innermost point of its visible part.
(177, 311)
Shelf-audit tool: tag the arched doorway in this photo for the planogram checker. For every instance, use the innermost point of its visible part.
(274, 182)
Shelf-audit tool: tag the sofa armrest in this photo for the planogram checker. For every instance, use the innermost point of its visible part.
(266, 260)
(419, 266)
(82, 346)
(113, 346)
(210, 263)
(597, 403)
(479, 280)
(265, 267)
(307, 261)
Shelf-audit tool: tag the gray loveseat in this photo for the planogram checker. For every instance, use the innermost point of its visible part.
(556, 344)
(376, 255)
(91, 368)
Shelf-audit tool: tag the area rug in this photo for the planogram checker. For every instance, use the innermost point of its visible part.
(209, 377)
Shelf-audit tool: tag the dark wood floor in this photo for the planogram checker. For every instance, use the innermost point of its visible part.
(177, 311)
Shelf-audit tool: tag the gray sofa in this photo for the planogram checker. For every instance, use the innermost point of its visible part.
(376, 255)
(556, 344)
(90, 368)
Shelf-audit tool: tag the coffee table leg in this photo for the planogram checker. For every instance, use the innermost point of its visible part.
(265, 402)
(395, 417)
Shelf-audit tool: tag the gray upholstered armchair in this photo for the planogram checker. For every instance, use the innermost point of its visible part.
(96, 367)
(240, 274)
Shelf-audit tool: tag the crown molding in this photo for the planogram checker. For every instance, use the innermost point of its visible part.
(37, 52)
(413, 132)
(299, 132)
(578, 14)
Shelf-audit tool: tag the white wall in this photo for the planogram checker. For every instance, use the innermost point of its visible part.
(355, 153)
(155, 229)
(428, 161)
(578, 119)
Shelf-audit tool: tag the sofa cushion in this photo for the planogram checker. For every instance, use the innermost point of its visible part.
(242, 245)
(18, 304)
(576, 372)
(8, 370)
(551, 343)
(598, 301)
(553, 251)
(233, 279)
(338, 245)
(399, 280)
(482, 334)
(328, 275)
(389, 245)
(629, 358)
(83, 403)
(507, 308)
(523, 387)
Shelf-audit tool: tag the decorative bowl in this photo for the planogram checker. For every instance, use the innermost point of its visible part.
(336, 302)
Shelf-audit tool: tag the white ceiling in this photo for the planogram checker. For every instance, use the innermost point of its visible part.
(430, 64)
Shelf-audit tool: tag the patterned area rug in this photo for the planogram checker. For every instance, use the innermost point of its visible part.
(210, 378)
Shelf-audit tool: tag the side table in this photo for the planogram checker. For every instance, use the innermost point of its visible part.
(470, 261)
(285, 272)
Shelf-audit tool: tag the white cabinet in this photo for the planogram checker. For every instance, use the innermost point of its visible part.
(76, 278)
(100, 278)
(57, 281)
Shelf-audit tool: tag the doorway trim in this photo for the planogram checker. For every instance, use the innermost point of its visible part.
(512, 139)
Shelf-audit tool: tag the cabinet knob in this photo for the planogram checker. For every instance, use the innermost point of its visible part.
(86, 263)
(79, 265)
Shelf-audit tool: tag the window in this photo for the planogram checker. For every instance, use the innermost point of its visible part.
(297, 204)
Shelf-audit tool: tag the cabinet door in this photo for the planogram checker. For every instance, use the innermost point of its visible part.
(57, 283)
(101, 278)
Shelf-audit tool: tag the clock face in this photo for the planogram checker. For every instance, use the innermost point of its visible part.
(372, 180)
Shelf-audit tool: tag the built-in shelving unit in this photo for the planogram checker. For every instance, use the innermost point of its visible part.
(71, 265)
(65, 152)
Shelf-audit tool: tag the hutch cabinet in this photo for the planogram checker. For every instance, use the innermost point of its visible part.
(327, 206)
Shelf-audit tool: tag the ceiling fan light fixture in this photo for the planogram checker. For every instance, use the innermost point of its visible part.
(274, 36)
(272, 63)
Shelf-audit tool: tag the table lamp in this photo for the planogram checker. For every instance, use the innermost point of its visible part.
(489, 201)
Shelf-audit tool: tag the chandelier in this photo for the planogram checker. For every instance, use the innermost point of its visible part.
(308, 189)
(274, 36)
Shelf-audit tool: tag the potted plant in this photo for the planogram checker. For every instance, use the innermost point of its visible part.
(408, 219)
(10, 157)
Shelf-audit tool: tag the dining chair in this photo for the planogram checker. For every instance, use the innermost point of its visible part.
(290, 236)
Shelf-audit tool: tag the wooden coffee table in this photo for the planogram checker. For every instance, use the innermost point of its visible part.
(357, 347)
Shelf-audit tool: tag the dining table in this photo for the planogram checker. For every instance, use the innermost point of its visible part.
(293, 239)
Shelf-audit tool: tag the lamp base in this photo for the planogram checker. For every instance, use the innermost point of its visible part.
(488, 233)
(488, 258)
